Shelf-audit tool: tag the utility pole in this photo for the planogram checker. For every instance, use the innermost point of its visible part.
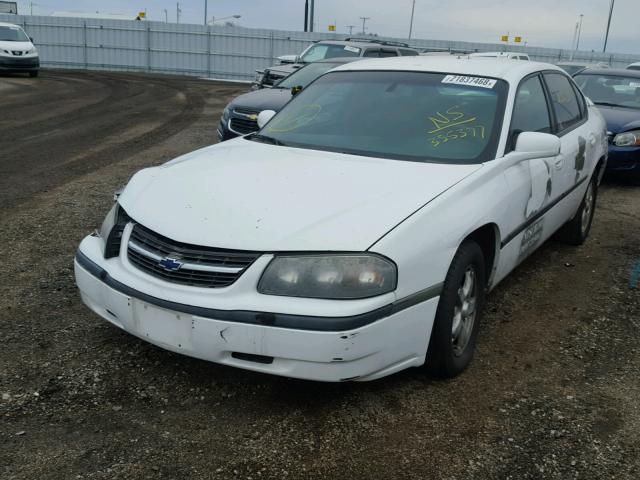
(166, 16)
(312, 8)
(573, 42)
(364, 21)
(306, 15)
(178, 12)
(413, 7)
(579, 32)
(606, 37)
(206, 2)
(31, 6)
(350, 27)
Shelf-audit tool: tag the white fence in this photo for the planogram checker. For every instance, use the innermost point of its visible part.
(209, 51)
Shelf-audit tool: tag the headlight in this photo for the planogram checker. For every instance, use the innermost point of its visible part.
(340, 276)
(627, 139)
(259, 76)
(225, 113)
(112, 229)
(33, 51)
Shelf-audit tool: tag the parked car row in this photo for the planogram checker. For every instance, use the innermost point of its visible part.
(616, 93)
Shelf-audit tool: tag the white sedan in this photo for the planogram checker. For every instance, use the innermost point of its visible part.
(356, 234)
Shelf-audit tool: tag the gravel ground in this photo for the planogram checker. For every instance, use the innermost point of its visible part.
(552, 393)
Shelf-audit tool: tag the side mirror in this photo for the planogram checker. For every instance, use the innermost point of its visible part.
(264, 116)
(288, 59)
(31, 39)
(296, 90)
(537, 145)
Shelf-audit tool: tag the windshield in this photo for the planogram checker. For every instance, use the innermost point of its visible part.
(306, 75)
(320, 51)
(13, 34)
(425, 117)
(612, 90)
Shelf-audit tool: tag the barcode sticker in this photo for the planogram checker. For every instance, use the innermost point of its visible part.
(471, 81)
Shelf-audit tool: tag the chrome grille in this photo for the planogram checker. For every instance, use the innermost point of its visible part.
(243, 125)
(245, 111)
(198, 266)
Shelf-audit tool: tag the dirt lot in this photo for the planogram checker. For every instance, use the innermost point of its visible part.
(552, 393)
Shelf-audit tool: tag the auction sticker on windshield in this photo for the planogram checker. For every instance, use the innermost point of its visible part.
(349, 48)
(473, 81)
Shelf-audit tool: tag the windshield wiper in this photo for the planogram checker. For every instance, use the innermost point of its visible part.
(267, 139)
(609, 104)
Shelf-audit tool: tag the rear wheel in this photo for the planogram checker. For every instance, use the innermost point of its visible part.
(455, 329)
(576, 231)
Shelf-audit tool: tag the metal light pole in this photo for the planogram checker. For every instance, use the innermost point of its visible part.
(606, 37)
(166, 16)
(579, 32)
(206, 4)
(178, 12)
(312, 8)
(364, 20)
(350, 27)
(413, 7)
(306, 15)
(573, 42)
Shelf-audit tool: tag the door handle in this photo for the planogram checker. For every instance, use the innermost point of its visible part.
(592, 140)
(559, 162)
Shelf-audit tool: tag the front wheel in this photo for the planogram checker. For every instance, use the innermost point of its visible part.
(455, 329)
(576, 231)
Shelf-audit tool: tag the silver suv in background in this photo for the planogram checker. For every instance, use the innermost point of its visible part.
(324, 49)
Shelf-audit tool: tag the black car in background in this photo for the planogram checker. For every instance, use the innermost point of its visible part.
(241, 114)
(616, 93)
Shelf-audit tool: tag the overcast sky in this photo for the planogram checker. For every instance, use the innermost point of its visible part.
(548, 23)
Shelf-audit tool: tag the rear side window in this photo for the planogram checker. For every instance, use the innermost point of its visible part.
(388, 53)
(564, 101)
(372, 52)
(530, 112)
(407, 53)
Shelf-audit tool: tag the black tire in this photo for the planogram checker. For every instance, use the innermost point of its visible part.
(576, 230)
(445, 358)
(33, 74)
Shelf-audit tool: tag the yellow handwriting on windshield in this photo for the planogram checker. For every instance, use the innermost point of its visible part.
(450, 118)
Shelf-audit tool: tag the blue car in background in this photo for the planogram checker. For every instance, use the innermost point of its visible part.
(617, 95)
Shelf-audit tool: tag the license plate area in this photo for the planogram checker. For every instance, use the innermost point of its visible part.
(172, 329)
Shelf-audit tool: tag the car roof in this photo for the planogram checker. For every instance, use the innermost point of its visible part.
(499, 54)
(361, 44)
(5, 24)
(506, 69)
(620, 72)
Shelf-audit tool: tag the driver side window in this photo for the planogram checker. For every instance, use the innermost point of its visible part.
(530, 111)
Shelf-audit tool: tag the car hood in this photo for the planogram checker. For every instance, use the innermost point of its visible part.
(18, 46)
(246, 195)
(263, 99)
(620, 119)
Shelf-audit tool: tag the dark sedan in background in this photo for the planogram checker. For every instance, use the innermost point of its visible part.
(617, 95)
(240, 116)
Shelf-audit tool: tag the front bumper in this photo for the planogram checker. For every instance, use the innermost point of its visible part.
(363, 346)
(19, 64)
(623, 159)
